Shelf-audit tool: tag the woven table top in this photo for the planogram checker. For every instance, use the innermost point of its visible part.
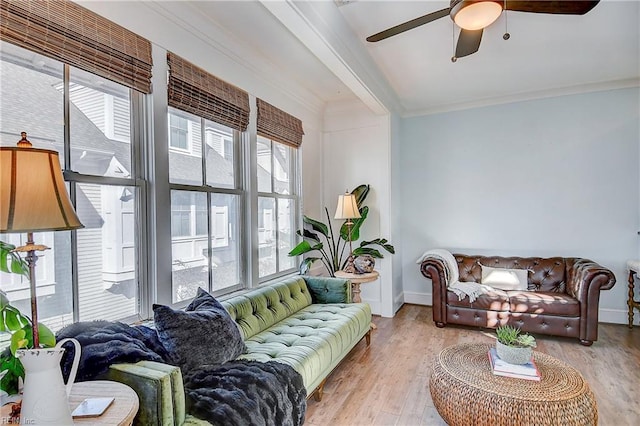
(465, 391)
(469, 363)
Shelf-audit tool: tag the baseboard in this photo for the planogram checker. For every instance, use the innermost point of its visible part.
(418, 298)
(605, 315)
(617, 316)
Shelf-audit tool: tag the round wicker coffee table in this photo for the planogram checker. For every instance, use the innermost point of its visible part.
(466, 392)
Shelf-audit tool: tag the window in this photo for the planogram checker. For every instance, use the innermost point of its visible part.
(206, 219)
(179, 132)
(96, 272)
(277, 207)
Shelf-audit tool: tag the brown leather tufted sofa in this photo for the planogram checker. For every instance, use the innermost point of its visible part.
(562, 298)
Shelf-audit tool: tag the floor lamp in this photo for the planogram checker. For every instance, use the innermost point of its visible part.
(33, 198)
(348, 209)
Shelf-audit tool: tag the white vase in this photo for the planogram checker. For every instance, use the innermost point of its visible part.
(45, 396)
(512, 354)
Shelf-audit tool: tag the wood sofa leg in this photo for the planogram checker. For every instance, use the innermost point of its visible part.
(439, 324)
(586, 342)
(317, 395)
(368, 338)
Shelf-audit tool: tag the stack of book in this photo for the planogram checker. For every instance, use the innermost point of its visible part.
(527, 371)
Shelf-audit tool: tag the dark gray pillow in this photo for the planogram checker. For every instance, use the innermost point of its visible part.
(202, 334)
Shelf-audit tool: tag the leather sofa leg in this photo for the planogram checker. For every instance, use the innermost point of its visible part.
(586, 342)
(440, 324)
(317, 395)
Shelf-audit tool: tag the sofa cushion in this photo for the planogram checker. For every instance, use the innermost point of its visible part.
(544, 303)
(259, 309)
(495, 300)
(505, 279)
(312, 340)
(203, 333)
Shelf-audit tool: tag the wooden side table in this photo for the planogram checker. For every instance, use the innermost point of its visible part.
(356, 280)
(122, 410)
(634, 269)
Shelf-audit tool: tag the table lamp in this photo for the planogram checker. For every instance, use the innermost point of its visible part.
(348, 209)
(33, 198)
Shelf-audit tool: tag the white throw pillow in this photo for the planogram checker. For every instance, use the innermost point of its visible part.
(505, 279)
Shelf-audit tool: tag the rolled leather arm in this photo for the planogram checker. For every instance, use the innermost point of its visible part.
(435, 270)
(585, 276)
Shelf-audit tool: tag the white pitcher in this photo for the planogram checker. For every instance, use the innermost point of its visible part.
(45, 396)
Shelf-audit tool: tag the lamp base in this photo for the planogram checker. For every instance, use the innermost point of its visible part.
(350, 267)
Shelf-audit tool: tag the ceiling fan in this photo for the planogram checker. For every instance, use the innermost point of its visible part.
(474, 15)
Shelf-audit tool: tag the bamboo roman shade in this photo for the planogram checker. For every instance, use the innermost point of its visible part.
(67, 32)
(194, 90)
(276, 124)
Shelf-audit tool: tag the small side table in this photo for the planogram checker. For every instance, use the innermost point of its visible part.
(356, 280)
(122, 410)
(634, 269)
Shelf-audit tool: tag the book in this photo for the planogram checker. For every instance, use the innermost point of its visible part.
(528, 371)
(92, 407)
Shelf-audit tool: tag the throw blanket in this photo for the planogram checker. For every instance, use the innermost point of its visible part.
(104, 343)
(247, 393)
(461, 288)
(235, 393)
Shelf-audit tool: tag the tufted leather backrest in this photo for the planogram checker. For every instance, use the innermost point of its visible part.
(545, 274)
(257, 310)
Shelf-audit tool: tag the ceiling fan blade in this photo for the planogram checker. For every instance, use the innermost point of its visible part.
(468, 42)
(557, 7)
(409, 25)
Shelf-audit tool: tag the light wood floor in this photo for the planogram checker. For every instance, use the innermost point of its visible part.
(388, 383)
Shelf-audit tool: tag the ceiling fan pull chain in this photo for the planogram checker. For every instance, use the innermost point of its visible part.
(506, 34)
(453, 41)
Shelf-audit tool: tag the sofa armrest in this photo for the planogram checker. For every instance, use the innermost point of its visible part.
(159, 388)
(328, 289)
(434, 269)
(586, 278)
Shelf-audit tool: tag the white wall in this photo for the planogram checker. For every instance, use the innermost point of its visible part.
(550, 177)
(356, 151)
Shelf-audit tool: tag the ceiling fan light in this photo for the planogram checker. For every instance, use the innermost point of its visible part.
(475, 15)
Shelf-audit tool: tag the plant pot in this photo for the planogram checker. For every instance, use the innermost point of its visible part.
(514, 355)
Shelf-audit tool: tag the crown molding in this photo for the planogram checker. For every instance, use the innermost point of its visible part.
(528, 96)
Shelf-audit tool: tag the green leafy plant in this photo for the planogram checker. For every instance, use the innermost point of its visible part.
(511, 336)
(19, 326)
(332, 249)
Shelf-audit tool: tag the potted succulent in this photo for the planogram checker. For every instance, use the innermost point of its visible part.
(513, 346)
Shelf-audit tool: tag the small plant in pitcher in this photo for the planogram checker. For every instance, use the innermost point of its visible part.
(19, 326)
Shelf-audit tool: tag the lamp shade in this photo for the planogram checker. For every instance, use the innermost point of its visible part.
(347, 207)
(33, 195)
(475, 14)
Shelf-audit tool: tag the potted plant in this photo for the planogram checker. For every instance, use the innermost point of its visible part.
(513, 346)
(321, 239)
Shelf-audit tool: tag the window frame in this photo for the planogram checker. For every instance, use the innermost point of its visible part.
(295, 186)
(238, 190)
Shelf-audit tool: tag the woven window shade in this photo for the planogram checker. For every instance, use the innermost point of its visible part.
(276, 124)
(69, 33)
(194, 90)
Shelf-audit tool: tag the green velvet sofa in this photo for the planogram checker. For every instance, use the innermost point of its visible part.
(306, 322)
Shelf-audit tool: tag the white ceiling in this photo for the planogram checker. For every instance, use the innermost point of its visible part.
(321, 46)
(544, 53)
